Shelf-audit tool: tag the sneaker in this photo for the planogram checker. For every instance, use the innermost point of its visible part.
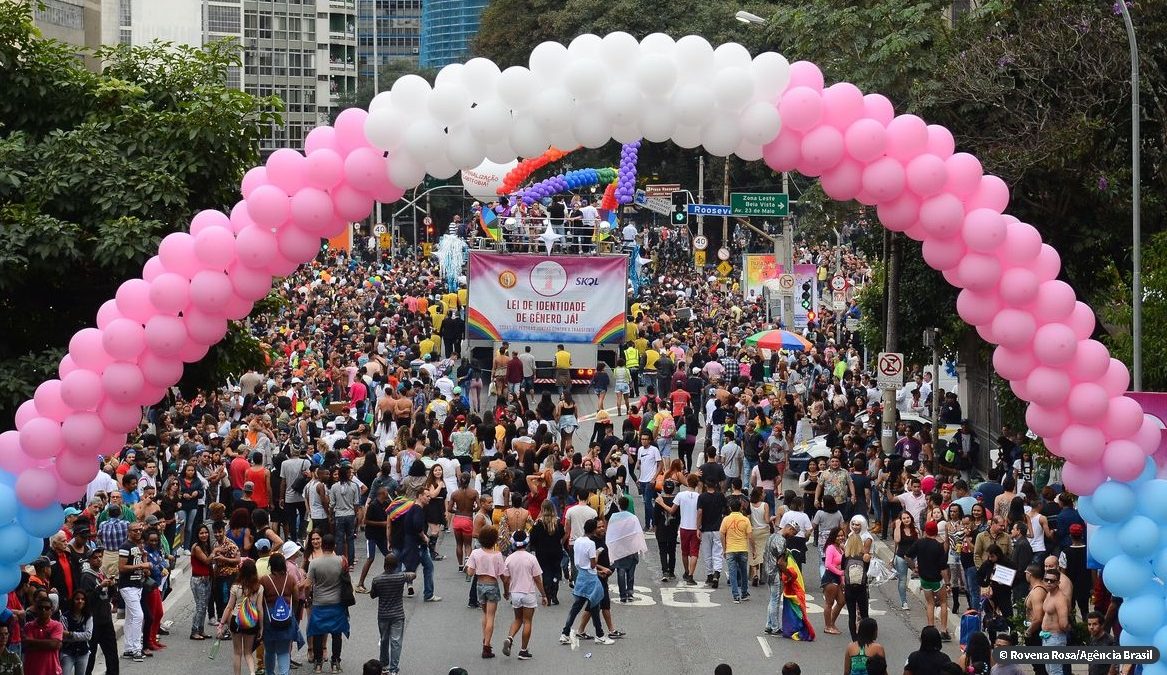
(746, 597)
(945, 637)
(433, 598)
(664, 579)
(138, 657)
(737, 601)
(616, 634)
(473, 605)
(768, 631)
(506, 646)
(487, 652)
(716, 579)
(690, 581)
(525, 655)
(564, 640)
(583, 636)
(904, 606)
(318, 668)
(334, 668)
(605, 640)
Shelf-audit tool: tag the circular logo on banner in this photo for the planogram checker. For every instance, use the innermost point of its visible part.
(548, 278)
(507, 279)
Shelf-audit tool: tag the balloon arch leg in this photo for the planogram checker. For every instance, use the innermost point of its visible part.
(588, 93)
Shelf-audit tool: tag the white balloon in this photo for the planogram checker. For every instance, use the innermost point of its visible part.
(527, 139)
(483, 179)
(694, 53)
(410, 92)
(620, 51)
(657, 43)
(760, 122)
(622, 101)
(748, 151)
(489, 121)
(656, 74)
(450, 74)
(516, 86)
(730, 55)
(552, 109)
(771, 75)
(586, 46)
(449, 102)
(463, 149)
(440, 166)
(591, 127)
(480, 77)
(584, 78)
(500, 152)
(733, 87)
(687, 136)
(385, 127)
(405, 171)
(657, 120)
(721, 136)
(547, 61)
(563, 137)
(692, 104)
(627, 133)
(381, 101)
(424, 138)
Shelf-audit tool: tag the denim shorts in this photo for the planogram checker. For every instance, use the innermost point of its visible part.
(488, 592)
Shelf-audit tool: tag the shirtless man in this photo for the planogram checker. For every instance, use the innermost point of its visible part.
(462, 505)
(1033, 609)
(1055, 622)
(1065, 584)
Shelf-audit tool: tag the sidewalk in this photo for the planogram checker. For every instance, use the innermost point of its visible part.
(180, 590)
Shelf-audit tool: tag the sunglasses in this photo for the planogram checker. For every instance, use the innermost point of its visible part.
(1050, 581)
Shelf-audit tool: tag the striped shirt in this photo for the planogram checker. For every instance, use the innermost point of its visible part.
(113, 533)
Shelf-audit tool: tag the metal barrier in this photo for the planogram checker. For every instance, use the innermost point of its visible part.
(524, 235)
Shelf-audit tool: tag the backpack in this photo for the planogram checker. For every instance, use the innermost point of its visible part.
(246, 612)
(854, 573)
(301, 481)
(279, 615)
(667, 428)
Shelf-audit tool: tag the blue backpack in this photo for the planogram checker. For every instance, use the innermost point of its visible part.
(279, 615)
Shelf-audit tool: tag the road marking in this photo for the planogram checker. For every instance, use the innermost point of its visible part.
(765, 647)
(668, 597)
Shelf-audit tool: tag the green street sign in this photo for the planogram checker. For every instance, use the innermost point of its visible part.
(766, 204)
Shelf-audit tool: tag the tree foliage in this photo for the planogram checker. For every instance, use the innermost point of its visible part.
(95, 168)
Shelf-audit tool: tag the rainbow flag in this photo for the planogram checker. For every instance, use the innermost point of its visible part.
(489, 221)
(795, 622)
(399, 507)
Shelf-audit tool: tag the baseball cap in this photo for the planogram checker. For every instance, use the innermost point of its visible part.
(263, 544)
(42, 562)
(1076, 530)
(72, 511)
(930, 528)
(152, 520)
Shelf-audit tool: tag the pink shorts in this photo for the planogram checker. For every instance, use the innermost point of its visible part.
(463, 525)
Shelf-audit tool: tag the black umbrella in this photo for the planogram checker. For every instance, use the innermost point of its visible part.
(591, 482)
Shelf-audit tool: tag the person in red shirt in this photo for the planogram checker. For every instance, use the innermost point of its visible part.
(679, 398)
(42, 641)
(236, 471)
(260, 476)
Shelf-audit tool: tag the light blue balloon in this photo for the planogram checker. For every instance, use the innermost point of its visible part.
(1142, 615)
(1148, 473)
(1153, 500)
(1087, 511)
(1159, 668)
(7, 479)
(9, 578)
(1126, 576)
(36, 547)
(42, 523)
(1114, 501)
(13, 543)
(1139, 537)
(1129, 639)
(9, 504)
(1103, 544)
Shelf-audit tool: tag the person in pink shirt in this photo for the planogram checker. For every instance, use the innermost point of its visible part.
(523, 586)
(487, 566)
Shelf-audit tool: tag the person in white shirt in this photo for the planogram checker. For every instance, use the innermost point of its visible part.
(686, 502)
(628, 234)
(445, 386)
(648, 462)
(100, 483)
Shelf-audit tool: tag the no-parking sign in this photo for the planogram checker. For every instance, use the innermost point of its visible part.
(889, 370)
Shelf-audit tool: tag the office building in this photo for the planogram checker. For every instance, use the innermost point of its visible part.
(76, 22)
(396, 31)
(447, 29)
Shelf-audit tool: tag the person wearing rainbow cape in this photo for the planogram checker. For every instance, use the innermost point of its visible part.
(786, 614)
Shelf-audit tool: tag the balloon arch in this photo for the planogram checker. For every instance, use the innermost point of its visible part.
(588, 93)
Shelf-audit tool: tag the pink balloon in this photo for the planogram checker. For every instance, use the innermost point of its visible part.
(193, 352)
(215, 247)
(354, 205)
(865, 140)
(122, 381)
(255, 247)
(805, 74)
(109, 311)
(1149, 436)
(992, 193)
(37, 488)
(1048, 386)
(206, 328)
(1048, 263)
(119, 417)
(801, 108)
(350, 129)
(907, 137)
(1020, 387)
(170, 293)
(150, 394)
(209, 291)
(12, 459)
(1018, 287)
(928, 484)
(943, 254)
(1082, 321)
(165, 335)
(268, 206)
(1124, 416)
(208, 219)
(124, 339)
(1054, 344)
(49, 403)
(942, 216)
(133, 300)
(81, 389)
(1088, 402)
(325, 169)
(68, 493)
(178, 255)
(320, 138)
(899, 214)
(1082, 444)
(248, 283)
(940, 141)
(1044, 421)
(844, 181)
(40, 438)
(884, 179)
(82, 433)
(1054, 302)
(822, 149)
(237, 308)
(1013, 364)
(76, 468)
(1014, 328)
(926, 175)
(287, 170)
(1123, 460)
(279, 266)
(161, 371)
(240, 219)
(916, 232)
(1082, 479)
(1022, 243)
(977, 309)
(87, 350)
(964, 174)
(312, 210)
(298, 245)
(1091, 360)
(781, 154)
(984, 230)
(878, 108)
(151, 270)
(842, 104)
(254, 178)
(364, 168)
(979, 271)
(66, 366)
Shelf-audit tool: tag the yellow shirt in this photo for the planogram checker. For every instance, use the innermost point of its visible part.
(426, 346)
(437, 315)
(563, 359)
(629, 331)
(736, 528)
(635, 310)
(463, 296)
(450, 300)
(650, 358)
(641, 344)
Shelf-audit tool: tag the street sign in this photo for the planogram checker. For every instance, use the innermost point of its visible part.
(889, 370)
(699, 258)
(380, 229)
(724, 268)
(839, 300)
(661, 189)
(427, 221)
(786, 284)
(384, 241)
(852, 325)
(658, 205)
(723, 253)
(838, 283)
(774, 204)
(709, 210)
(700, 242)
(638, 197)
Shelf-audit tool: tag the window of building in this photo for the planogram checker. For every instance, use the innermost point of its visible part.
(125, 13)
(61, 14)
(222, 19)
(125, 36)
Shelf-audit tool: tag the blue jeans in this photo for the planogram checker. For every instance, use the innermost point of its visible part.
(665, 445)
(427, 573)
(392, 632)
(277, 659)
(190, 525)
(648, 492)
(973, 588)
(774, 609)
(902, 578)
(747, 466)
(626, 574)
(739, 574)
(1056, 640)
(345, 529)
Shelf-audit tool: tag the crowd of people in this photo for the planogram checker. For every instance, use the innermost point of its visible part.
(369, 434)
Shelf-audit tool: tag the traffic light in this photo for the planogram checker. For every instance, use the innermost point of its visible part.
(429, 231)
(680, 208)
(810, 316)
(806, 297)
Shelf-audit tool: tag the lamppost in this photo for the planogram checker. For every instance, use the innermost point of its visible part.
(748, 17)
(1136, 229)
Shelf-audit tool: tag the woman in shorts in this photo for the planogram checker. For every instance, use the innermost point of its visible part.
(463, 503)
(600, 384)
(622, 383)
(487, 566)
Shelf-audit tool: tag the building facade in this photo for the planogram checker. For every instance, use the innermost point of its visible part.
(447, 29)
(388, 30)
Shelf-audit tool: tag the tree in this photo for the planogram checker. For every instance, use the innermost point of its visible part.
(95, 168)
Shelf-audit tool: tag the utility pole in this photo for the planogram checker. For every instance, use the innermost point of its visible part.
(725, 200)
(839, 270)
(700, 192)
(887, 436)
(932, 339)
(784, 255)
(377, 90)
